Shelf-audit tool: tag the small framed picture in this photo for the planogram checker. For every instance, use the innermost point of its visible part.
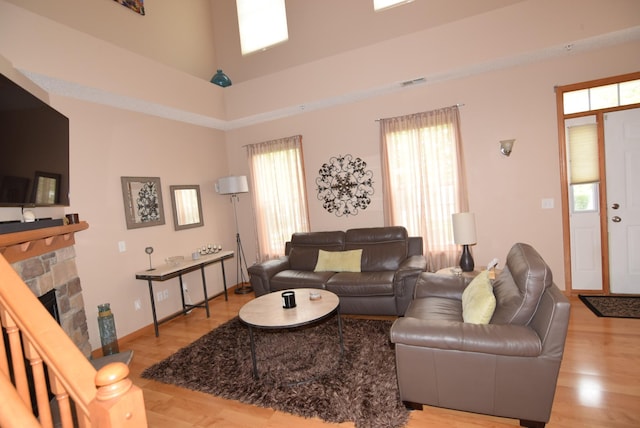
(142, 198)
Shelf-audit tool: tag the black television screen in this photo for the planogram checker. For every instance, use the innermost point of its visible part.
(34, 150)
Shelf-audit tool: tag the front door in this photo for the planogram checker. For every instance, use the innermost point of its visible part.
(622, 157)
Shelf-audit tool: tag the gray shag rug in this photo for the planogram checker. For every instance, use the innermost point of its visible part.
(301, 370)
(613, 306)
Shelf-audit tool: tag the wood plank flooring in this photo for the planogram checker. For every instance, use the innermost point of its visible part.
(598, 386)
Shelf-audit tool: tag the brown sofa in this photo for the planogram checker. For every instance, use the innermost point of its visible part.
(390, 264)
(506, 368)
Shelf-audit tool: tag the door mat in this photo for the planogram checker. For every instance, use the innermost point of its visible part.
(613, 306)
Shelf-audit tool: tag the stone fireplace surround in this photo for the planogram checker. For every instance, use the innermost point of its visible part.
(45, 260)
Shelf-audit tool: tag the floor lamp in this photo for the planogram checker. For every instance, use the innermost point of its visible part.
(234, 185)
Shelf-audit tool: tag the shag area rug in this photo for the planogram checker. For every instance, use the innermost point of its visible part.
(301, 371)
(613, 306)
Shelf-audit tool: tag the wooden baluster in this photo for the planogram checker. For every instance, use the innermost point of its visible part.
(62, 398)
(17, 358)
(40, 383)
(4, 363)
(13, 411)
(118, 402)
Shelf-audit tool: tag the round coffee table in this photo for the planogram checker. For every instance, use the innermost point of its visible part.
(266, 312)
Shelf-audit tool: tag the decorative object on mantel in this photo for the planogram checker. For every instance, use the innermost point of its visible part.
(134, 5)
(221, 79)
(142, 201)
(344, 185)
(28, 216)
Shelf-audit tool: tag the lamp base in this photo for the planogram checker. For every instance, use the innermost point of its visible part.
(466, 261)
(242, 289)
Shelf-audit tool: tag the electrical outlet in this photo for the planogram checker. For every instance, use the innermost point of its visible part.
(159, 296)
(137, 304)
(122, 246)
(165, 294)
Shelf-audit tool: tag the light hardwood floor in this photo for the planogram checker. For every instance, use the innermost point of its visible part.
(598, 386)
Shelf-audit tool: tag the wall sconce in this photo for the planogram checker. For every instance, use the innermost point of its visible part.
(506, 146)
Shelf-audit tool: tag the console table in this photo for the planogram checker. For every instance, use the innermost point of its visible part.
(167, 271)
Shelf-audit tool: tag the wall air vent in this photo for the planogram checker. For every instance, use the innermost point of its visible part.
(417, 81)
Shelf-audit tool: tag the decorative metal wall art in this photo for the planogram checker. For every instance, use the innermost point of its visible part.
(344, 185)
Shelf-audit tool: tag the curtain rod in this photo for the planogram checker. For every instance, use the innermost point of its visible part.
(455, 105)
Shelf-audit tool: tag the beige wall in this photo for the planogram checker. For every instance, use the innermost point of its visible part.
(169, 32)
(500, 65)
(106, 143)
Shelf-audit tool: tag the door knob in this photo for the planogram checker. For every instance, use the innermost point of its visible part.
(615, 206)
(616, 219)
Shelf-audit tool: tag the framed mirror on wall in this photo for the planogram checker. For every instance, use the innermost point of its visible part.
(187, 207)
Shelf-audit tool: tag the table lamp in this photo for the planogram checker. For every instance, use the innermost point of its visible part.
(464, 233)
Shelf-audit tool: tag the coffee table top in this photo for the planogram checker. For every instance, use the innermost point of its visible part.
(266, 311)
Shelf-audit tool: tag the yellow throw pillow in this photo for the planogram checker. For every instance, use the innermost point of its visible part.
(338, 261)
(478, 301)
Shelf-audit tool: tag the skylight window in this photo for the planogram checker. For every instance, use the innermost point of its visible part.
(263, 23)
(386, 4)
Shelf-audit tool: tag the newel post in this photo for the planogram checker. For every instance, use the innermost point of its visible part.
(118, 402)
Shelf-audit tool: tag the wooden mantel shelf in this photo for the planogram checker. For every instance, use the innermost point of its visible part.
(33, 243)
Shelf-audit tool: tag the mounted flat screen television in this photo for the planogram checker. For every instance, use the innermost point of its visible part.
(34, 150)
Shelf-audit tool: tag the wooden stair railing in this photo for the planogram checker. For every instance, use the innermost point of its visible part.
(106, 398)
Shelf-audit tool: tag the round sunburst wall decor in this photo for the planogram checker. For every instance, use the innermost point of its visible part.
(344, 185)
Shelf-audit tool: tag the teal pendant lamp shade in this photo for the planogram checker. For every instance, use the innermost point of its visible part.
(221, 79)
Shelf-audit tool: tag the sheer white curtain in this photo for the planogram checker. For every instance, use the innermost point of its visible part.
(279, 196)
(423, 179)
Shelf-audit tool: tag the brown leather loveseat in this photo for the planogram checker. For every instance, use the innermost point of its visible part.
(383, 283)
(508, 367)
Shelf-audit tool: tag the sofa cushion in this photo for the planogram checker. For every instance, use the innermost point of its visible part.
(383, 248)
(361, 284)
(304, 247)
(338, 261)
(519, 287)
(478, 301)
(299, 278)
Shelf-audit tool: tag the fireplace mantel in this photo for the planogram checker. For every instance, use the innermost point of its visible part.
(33, 243)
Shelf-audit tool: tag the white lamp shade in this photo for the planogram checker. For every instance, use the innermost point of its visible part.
(232, 185)
(464, 228)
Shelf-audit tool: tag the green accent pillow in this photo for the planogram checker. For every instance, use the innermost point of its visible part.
(338, 261)
(478, 301)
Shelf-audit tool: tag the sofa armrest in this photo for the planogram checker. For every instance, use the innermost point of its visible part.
(260, 274)
(497, 339)
(433, 285)
(404, 279)
(412, 266)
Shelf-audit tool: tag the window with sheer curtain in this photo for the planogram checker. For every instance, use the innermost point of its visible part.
(424, 180)
(279, 196)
